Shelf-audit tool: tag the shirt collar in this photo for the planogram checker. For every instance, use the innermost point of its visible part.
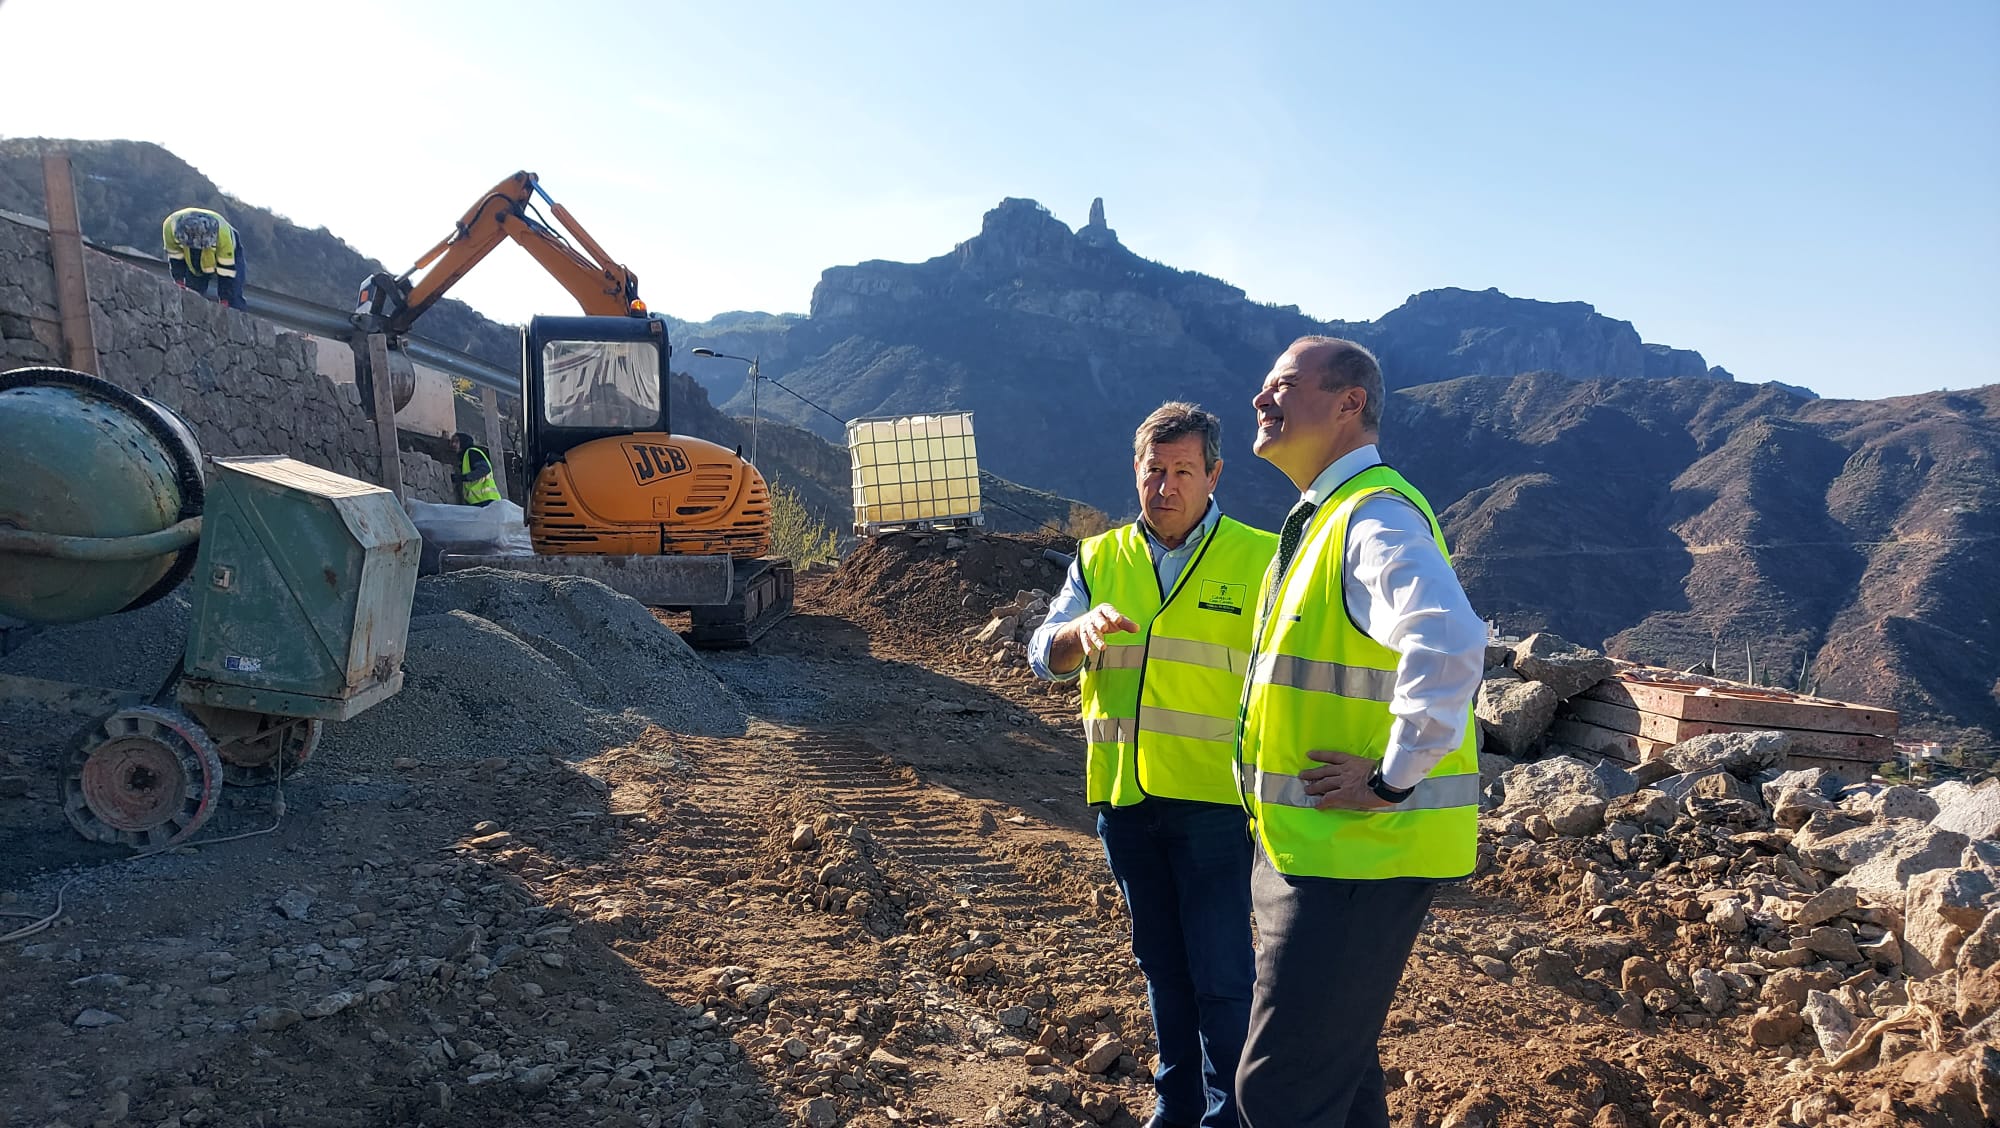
(1200, 530)
(1343, 468)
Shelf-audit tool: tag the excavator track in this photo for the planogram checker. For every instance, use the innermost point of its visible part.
(763, 597)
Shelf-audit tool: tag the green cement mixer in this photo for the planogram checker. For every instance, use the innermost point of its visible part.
(299, 581)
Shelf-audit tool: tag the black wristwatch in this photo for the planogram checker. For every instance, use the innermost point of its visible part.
(1382, 789)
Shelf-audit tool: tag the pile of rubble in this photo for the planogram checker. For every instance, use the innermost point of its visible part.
(917, 592)
(1854, 924)
(1004, 639)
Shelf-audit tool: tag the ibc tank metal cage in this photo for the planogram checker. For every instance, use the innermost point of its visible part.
(914, 472)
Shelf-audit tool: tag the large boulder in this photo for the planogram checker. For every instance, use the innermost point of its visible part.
(1645, 808)
(1823, 826)
(1904, 802)
(1576, 815)
(1514, 714)
(1974, 813)
(1832, 1023)
(1884, 857)
(1616, 780)
(1982, 945)
(1819, 781)
(1796, 795)
(1724, 785)
(1563, 666)
(1743, 754)
(1538, 784)
(1944, 907)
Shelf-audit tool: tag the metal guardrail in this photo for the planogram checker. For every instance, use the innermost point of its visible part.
(323, 321)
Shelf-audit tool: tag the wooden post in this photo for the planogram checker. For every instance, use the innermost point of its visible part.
(496, 442)
(385, 414)
(66, 255)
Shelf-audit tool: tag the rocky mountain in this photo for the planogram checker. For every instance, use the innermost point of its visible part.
(1676, 521)
(1051, 333)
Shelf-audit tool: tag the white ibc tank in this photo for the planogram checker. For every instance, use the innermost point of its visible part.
(914, 469)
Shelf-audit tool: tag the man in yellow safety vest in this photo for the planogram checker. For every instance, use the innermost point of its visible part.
(1155, 620)
(1356, 756)
(201, 245)
(475, 472)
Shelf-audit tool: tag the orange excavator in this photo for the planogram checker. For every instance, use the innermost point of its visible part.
(671, 520)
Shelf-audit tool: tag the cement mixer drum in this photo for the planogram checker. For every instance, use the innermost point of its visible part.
(81, 457)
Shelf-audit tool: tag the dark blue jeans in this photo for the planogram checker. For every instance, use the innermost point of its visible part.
(1184, 869)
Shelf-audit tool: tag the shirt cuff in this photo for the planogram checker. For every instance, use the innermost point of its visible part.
(1039, 645)
(1413, 752)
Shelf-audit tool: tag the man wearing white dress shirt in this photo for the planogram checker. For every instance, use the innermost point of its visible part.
(1356, 754)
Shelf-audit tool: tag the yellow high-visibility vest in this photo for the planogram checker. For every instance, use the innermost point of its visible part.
(1319, 683)
(476, 490)
(1159, 707)
(219, 259)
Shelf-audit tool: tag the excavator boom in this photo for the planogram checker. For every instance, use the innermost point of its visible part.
(391, 303)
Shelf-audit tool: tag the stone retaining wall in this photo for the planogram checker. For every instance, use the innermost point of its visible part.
(243, 384)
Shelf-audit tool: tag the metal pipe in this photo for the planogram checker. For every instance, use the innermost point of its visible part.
(143, 546)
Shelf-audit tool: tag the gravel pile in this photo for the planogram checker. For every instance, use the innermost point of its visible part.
(504, 663)
(135, 650)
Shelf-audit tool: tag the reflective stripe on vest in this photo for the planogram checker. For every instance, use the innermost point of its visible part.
(1318, 682)
(478, 489)
(1326, 677)
(1432, 793)
(1159, 706)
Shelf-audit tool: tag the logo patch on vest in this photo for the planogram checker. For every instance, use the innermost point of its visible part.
(655, 462)
(1218, 596)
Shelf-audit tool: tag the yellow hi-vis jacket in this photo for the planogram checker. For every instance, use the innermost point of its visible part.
(1159, 706)
(1319, 683)
(483, 488)
(218, 260)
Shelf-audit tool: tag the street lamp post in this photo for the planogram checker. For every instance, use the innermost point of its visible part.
(756, 383)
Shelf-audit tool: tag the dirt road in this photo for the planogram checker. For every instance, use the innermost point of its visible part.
(880, 903)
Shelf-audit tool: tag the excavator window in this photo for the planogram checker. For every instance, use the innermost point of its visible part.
(601, 384)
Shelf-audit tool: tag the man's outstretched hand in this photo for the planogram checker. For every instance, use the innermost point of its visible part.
(1099, 621)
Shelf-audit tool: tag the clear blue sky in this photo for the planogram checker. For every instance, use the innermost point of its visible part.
(1804, 192)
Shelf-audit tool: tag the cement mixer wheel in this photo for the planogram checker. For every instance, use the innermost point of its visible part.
(145, 777)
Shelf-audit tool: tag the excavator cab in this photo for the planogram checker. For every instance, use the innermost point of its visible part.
(593, 378)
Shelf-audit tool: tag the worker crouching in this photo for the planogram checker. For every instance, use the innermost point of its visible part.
(200, 246)
(476, 484)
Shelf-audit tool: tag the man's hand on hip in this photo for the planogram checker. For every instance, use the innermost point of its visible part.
(1099, 621)
(1342, 785)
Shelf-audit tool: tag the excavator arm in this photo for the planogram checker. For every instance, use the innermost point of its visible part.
(391, 303)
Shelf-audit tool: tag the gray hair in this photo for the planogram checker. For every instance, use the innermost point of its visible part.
(1349, 365)
(1178, 419)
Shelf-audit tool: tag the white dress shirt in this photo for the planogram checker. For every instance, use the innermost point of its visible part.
(1405, 595)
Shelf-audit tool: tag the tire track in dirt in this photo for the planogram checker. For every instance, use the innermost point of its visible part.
(923, 825)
